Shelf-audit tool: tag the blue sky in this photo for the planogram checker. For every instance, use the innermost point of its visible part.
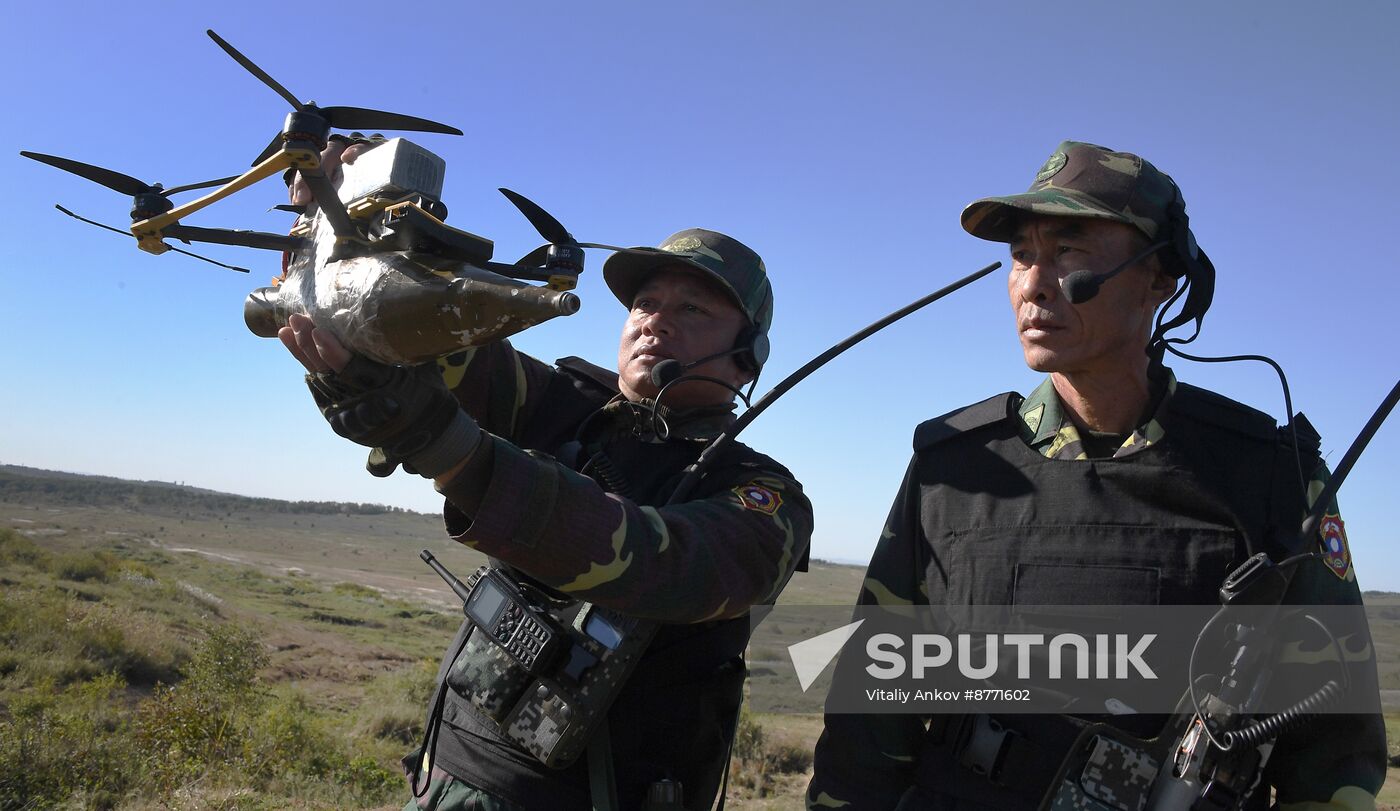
(840, 140)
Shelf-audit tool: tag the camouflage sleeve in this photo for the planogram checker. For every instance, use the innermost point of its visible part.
(709, 558)
(867, 761)
(1336, 758)
(503, 389)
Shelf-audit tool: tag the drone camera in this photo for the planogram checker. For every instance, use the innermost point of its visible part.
(393, 170)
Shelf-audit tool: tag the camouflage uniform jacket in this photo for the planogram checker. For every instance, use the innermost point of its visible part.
(869, 761)
(697, 566)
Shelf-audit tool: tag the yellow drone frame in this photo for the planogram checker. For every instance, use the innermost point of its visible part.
(300, 155)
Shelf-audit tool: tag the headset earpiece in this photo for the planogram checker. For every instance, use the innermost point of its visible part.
(752, 346)
(752, 340)
(758, 352)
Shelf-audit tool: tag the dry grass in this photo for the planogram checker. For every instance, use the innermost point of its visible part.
(98, 605)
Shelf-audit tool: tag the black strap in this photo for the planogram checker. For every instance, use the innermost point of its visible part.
(602, 778)
(428, 751)
(588, 373)
(728, 755)
(977, 415)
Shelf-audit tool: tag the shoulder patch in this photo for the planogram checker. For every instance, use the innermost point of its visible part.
(1207, 406)
(758, 498)
(1332, 544)
(589, 373)
(989, 411)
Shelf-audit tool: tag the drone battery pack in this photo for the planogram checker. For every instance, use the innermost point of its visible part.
(394, 169)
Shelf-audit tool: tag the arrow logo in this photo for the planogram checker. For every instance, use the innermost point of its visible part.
(811, 656)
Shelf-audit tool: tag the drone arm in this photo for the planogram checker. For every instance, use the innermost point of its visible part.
(329, 202)
(149, 232)
(246, 239)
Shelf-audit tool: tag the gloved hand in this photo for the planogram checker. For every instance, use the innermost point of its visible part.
(406, 413)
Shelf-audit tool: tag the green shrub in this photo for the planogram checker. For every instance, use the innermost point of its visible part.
(289, 738)
(16, 548)
(41, 630)
(395, 705)
(137, 570)
(399, 724)
(760, 761)
(356, 590)
(370, 781)
(227, 662)
(787, 758)
(66, 744)
(205, 718)
(83, 566)
(47, 635)
(133, 643)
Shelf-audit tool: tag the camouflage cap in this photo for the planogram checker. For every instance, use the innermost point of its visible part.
(732, 264)
(1082, 180)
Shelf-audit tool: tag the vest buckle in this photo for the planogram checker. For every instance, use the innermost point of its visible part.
(984, 745)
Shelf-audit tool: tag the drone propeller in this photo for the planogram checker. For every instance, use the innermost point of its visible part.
(535, 258)
(554, 231)
(548, 227)
(252, 68)
(128, 234)
(116, 181)
(351, 118)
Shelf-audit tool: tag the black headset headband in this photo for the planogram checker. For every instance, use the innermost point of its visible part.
(1197, 271)
(752, 340)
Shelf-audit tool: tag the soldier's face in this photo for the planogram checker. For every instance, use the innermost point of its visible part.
(682, 315)
(1108, 333)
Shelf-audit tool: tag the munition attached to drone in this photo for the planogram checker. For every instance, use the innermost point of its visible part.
(407, 288)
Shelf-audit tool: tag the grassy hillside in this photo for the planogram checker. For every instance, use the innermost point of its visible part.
(170, 647)
(166, 646)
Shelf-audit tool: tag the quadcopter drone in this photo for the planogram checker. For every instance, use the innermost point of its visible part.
(371, 260)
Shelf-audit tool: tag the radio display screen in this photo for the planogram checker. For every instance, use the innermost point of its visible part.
(486, 603)
(598, 627)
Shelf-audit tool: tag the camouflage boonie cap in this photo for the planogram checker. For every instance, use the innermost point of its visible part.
(732, 264)
(1082, 180)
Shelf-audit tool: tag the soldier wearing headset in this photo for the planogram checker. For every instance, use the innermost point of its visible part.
(1110, 477)
(562, 473)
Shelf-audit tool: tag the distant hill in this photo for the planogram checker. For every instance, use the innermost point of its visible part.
(18, 483)
(370, 544)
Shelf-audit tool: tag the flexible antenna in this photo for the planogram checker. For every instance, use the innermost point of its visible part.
(712, 451)
(128, 234)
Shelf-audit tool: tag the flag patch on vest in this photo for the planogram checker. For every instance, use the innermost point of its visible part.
(758, 498)
(1334, 545)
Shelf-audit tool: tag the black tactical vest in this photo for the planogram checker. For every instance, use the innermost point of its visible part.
(674, 717)
(1005, 526)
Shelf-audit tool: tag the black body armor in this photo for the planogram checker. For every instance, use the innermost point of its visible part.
(1008, 526)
